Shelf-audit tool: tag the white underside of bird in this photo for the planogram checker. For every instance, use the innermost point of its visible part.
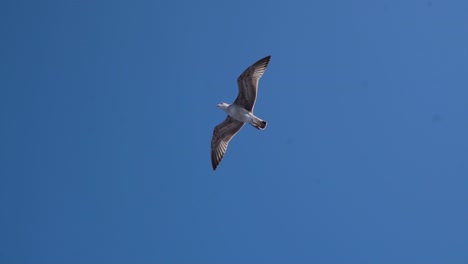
(243, 115)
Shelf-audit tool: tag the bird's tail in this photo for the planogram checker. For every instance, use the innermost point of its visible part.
(259, 123)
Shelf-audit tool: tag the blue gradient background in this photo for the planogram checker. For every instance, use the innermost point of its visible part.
(107, 110)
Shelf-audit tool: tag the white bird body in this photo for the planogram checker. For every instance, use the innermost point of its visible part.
(241, 114)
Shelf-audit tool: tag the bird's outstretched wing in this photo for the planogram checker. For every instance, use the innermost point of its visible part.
(222, 134)
(248, 83)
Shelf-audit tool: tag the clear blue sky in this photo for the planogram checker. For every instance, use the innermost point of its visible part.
(107, 110)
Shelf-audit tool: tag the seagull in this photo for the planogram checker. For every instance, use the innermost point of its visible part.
(239, 112)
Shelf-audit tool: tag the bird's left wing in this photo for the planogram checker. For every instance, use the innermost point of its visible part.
(248, 83)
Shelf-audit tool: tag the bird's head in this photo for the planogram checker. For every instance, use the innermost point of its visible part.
(222, 105)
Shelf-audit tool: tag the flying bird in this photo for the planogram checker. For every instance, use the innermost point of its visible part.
(239, 112)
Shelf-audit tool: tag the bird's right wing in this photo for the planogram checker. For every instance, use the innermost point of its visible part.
(222, 134)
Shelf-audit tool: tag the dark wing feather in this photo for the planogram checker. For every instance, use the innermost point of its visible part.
(248, 83)
(222, 134)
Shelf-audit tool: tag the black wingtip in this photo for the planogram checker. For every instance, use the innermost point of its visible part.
(263, 60)
(267, 58)
(213, 164)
